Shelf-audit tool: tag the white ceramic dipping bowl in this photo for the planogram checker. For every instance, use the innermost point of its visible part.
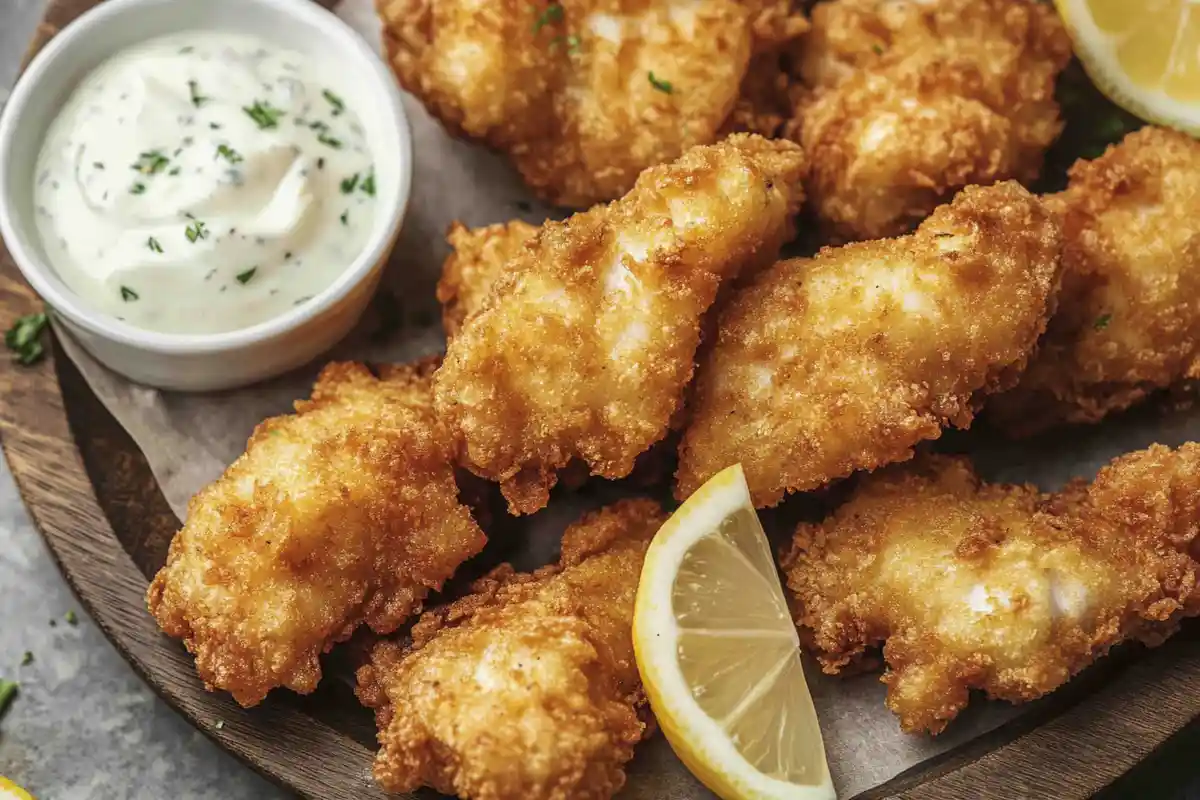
(202, 362)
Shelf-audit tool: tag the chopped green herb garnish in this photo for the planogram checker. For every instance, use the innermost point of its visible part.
(98, 164)
(197, 98)
(8, 690)
(319, 125)
(153, 244)
(196, 231)
(128, 295)
(345, 217)
(175, 171)
(24, 338)
(26, 658)
(216, 126)
(338, 104)
(1102, 321)
(876, 49)
(71, 618)
(151, 162)
(244, 277)
(663, 86)
(572, 43)
(349, 184)
(368, 184)
(137, 188)
(183, 51)
(263, 114)
(551, 16)
(229, 154)
(325, 139)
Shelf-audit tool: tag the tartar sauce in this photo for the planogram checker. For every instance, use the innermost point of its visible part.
(204, 182)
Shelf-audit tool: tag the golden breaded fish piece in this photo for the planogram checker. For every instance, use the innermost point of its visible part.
(343, 514)
(913, 101)
(478, 259)
(1128, 321)
(584, 347)
(526, 689)
(970, 586)
(582, 95)
(847, 360)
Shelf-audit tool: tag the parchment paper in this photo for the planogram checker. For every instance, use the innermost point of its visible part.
(189, 440)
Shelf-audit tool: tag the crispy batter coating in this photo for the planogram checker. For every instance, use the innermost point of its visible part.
(846, 361)
(992, 587)
(478, 259)
(345, 513)
(526, 689)
(1129, 319)
(912, 101)
(584, 347)
(586, 97)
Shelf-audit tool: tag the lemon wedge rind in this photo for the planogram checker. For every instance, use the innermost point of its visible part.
(700, 741)
(1097, 50)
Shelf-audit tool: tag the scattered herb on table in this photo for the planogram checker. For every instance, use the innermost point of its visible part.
(24, 338)
(26, 658)
(8, 690)
(71, 618)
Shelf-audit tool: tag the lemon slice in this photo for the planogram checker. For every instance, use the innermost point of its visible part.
(719, 655)
(10, 791)
(1144, 56)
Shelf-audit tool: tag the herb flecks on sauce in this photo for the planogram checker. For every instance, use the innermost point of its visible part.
(196, 231)
(263, 114)
(245, 277)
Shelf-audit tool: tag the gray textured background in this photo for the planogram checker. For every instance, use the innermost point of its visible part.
(84, 726)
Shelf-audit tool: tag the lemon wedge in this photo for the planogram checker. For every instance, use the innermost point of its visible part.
(719, 655)
(10, 791)
(1144, 56)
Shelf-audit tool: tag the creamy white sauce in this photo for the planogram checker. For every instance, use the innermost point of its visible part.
(205, 182)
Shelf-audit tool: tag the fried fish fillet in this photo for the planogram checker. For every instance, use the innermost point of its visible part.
(584, 347)
(582, 94)
(970, 586)
(846, 361)
(343, 514)
(911, 101)
(1129, 319)
(478, 259)
(526, 689)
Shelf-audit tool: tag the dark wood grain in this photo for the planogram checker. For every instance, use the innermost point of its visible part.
(91, 494)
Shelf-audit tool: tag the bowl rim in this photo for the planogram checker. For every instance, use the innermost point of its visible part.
(61, 299)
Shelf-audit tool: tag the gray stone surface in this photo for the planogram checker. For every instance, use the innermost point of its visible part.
(84, 726)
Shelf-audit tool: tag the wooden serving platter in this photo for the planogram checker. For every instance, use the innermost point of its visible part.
(92, 495)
